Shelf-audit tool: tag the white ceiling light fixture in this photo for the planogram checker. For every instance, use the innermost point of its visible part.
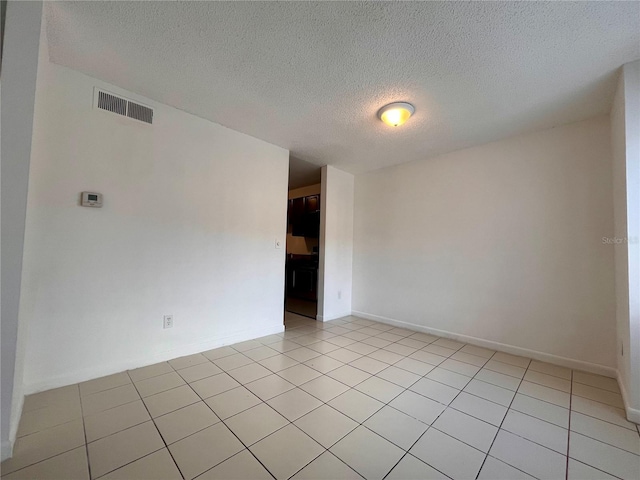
(395, 114)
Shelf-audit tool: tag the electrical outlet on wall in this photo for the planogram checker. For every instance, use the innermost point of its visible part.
(168, 321)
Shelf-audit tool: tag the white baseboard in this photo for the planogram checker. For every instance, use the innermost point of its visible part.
(633, 414)
(328, 318)
(7, 449)
(128, 364)
(502, 347)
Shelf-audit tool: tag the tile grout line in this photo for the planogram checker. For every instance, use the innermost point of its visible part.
(84, 430)
(566, 472)
(502, 422)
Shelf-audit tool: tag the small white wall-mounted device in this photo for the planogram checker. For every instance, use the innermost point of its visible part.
(91, 199)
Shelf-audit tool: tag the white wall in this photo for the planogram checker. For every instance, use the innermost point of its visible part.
(501, 242)
(336, 244)
(625, 147)
(19, 73)
(190, 218)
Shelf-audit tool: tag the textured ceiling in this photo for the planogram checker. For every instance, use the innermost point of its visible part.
(310, 76)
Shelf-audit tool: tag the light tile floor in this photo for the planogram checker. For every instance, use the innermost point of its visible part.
(346, 399)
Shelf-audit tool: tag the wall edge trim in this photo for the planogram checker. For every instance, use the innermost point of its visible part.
(633, 414)
(92, 373)
(502, 347)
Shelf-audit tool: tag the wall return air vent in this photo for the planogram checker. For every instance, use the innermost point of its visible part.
(121, 106)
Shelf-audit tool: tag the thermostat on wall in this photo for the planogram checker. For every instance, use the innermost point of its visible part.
(91, 199)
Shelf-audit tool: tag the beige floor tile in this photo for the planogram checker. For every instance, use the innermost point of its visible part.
(547, 394)
(369, 365)
(469, 358)
(123, 447)
(580, 471)
(177, 425)
(467, 429)
(494, 469)
(299, 374)
(356, 405)
(154, 370)
(480, 408)
(232, 402)
(452, 344)
(380, 389)
(359, 336)
(44, 444)
(46, 417)
(448, 455)
(397, 427)
(543, 410)
(361, 348)
(256, 423)
(367, 453)
(504, 368)
(198, 372)
(326, 425)
(521, 362)
(286, 451)
(217, 353)
(157, 384)
(323, 364)
(606, 432)
(417, 406)
(101, 401)
(114, 420)
(233, 361)
(294, 404)
(210, 386)
(386, 356)
(602, 411)
(435, 390)
(437, 349)
(498, 379)
(376, 342)
(247, 345)
(599, 381)
(414, 366)
(324, 388)
(327, 467)
(478, 351)
(349, 375)
(412, 468)
(490, 392)
(459, 367)
(344, 355)
(261, 353)
(398, 376)
(269, 386)
(403, 350)
(302, 354)
(249, 373)
(527, 456)
(156, 466)
(188, 361)
(285, 345)
(548, 381)
(598, 394)
(242, 466)
(104, 383)
(549, 369)
(323, 347)
(417, 344)
(203, 450)
(71, 465)
(607, 458)
(536, 430)
(279, 362)
(428, 357)
(424, 337)
(448, 377)
(51, 398)
(165, 402)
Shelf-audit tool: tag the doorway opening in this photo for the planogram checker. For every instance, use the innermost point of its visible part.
(303, 239)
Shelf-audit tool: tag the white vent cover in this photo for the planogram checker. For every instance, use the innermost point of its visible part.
(122, 106)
